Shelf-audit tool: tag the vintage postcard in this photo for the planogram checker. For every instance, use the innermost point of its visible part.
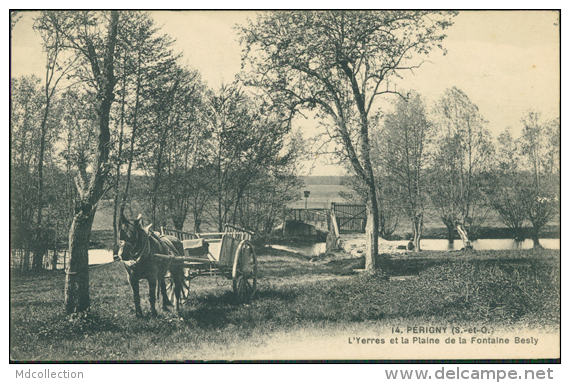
(284, 186)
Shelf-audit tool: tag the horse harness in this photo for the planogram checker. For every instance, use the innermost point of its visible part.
(165, 246)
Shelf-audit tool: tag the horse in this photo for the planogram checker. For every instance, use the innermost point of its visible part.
(136, 246)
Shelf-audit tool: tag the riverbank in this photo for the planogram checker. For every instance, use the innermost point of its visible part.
(485, 232)
(103, 239)
(355, 245)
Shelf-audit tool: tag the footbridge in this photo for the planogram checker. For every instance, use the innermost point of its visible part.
(339, 219)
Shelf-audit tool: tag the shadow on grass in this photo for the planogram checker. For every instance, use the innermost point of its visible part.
(282, 296)
(395, 267)
(217, 311)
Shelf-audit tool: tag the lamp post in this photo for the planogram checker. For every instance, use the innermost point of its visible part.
(306, 196)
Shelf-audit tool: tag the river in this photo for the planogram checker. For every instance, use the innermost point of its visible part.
(104, 256)
(98, 256)
(440, 244)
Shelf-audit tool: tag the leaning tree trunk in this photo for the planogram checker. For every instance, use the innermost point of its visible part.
(417, 224)
(463, 234)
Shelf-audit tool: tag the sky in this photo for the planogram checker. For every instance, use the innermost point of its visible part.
(507, 62)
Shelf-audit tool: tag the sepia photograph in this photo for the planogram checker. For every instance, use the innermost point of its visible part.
(284, 186)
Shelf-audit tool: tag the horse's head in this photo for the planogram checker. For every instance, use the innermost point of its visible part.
(132, 238)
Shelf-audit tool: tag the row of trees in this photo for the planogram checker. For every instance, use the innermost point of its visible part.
(443, 162)
(338, 65)
(115, 100)
(119, 119)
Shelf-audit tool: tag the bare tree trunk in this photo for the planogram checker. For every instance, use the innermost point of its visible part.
(55, 249)
(534, 235)
(417, 224)
(40, 246)
(133, 136)
(372, 218)
(77, 271)
(119, 163)
(450, 232)
(463, 234)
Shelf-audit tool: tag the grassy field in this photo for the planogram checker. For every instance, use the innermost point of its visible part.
(299, 300)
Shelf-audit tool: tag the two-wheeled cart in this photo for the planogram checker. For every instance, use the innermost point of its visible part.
(230, 254)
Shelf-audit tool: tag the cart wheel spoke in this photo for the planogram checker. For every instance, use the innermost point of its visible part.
(184, 288)
(245, 273)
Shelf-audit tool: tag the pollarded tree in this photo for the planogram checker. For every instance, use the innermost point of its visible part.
(403, 151)
(463, 155)
(507, 183)
(337, 63)
(540, 147)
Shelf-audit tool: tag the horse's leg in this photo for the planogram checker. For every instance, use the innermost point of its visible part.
(152, 296)
(165, 301)
(177, 288)
(136, 296)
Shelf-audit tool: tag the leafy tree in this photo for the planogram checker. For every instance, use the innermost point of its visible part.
(25, 118)
(144, 55)
(186, 155)
(170, 133)
(273, 183)
(506, 185)
(540, 149)
(15, 16)
(337, 63)
(463, 155)
(90, 37)
(199, 193)
(403, 151)
(227, 120)
(56, 69)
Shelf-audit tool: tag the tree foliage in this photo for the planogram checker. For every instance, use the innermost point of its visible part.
(463, 156)
(540, 147)
(507, 182)
(337, 63)
(403, 151)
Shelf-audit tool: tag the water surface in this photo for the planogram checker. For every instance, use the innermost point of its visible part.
(439, 244)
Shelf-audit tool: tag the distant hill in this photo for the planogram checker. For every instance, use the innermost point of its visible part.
(322, 180)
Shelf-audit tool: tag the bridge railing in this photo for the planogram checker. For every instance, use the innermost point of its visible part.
(307, 215)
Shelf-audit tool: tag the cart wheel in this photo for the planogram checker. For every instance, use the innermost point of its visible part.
(244, 273)
(170, 287)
